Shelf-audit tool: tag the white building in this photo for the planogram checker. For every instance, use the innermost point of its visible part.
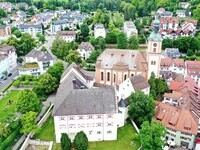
(130, 29)
(68, 36)
(8, 59)
(181, 124)
(172, 65)
(85, 49)
(36, 63)
(99, 31)
(184, 5)
(133, 84)
(81, 108)
(59, 25)
(181, 13)
(31, 29)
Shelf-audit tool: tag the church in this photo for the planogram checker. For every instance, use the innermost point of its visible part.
(114, 66)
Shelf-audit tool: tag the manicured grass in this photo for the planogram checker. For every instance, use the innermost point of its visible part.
(6, 108)
(124, 142)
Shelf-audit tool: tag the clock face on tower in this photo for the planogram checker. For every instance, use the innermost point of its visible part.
(154, 44)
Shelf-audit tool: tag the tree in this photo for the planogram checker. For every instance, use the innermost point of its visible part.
(151, 135)
(167, 43)
(111, 38)
(16, 83)
(141, 107)
(196, 12)
(99, 43)
(4, 130)
(60, 48)
(46, 85)
(157, 86)
(81, 141)
(56, 70)
(43, 48)
(17, 33)
(31, 11)
(85, 30)
(73, 56)
(27, 43)
(2, 13)
(133, 42)
(65, 142)
(28, 101)
(94, 55)
(41, 37)
(121, 41)
(28, 123)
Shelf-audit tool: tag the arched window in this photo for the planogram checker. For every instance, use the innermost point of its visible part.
(108, 76)
(101, 76)
(151, 62)
(154, 62)
(114, 78)
(125, 76)
(84, 56)
(154, 50)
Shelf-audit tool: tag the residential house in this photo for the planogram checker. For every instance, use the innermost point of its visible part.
(130, 29)
(31, 29)
(172, 52)
(68, 36)
(184, 5)
(188, 27)
(36, 62)
(181, 124)
(131, 85)
(59, 25)
(160, 11)
(85, 49)
(5, 30)
(7, 6)
(169, 23)
(99, 31)
(81, 108)
(21, 14)
(22, 4)
(192, 69)
(173, 98)
(172, 65)
(6, 21)
(166, 14)
(8, 59)
(181, 13)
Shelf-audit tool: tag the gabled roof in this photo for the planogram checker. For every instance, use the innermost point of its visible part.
(176, 119)
(26, 26)
(40, 55)
(139, 83)
(87, 46)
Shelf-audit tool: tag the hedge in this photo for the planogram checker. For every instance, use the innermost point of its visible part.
(10, 140)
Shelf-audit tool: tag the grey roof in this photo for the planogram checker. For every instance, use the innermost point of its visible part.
(139, 83)
(7, 48)
(155, 37)
(60, 22)
(88, 101)
(180, 11)
(26, 26)
(99, 26)
(40, 55)
(3, 26)
(2, 57)
(87, 46)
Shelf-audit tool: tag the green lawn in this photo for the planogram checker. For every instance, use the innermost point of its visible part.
(124, 142)
(7, 109)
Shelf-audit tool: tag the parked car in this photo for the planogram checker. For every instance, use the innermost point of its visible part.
(10, 74)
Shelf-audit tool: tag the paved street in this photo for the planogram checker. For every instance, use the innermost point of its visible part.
(9, 79)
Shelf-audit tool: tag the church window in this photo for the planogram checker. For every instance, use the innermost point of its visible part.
(125, 76)
(108, 76)
(101, 76)
(114, 78)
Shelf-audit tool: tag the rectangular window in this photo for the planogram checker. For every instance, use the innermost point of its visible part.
(101, 76)
(98, 132)
(109, 132)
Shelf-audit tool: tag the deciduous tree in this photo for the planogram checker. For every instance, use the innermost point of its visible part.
(73, 56)
(133, 42)
(141, 107)
(151, 135)
(29, 123)
(121, 41)
(56, 70)
(28, 101)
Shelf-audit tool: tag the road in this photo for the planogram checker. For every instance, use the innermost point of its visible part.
(9, 80)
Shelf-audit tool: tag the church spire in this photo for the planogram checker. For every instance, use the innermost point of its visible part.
(156, 24)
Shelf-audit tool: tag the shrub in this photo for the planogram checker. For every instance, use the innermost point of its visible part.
(17, 83)
(197, 53)
(81, 141)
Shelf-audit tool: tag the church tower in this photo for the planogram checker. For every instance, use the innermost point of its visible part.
(154, 49)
